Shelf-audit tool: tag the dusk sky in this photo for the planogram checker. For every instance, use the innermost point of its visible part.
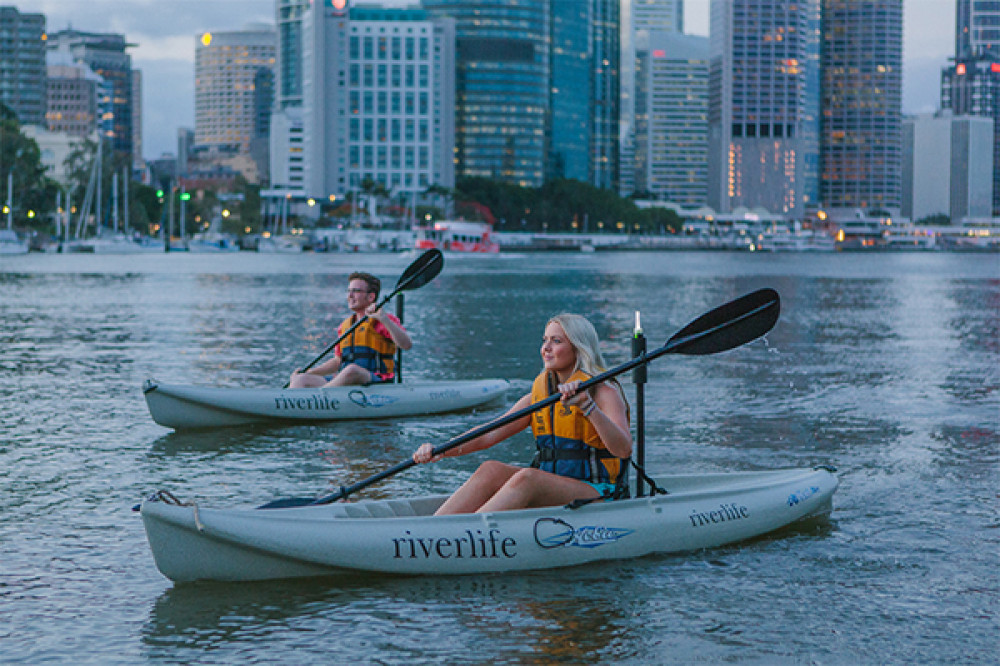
(165, 31)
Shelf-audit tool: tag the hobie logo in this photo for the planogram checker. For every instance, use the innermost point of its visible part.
(802, 495)
(555, 532)
(362, 399)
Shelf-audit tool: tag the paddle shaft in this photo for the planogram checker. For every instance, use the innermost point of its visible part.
(674, 345)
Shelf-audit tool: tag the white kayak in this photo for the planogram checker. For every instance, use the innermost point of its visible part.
(400, 536)
(180, 407)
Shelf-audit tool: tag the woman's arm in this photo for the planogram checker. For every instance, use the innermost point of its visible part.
(606, 411)
(484, 441)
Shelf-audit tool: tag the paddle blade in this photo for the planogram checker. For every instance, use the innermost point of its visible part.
(423, 270)
(728, 326)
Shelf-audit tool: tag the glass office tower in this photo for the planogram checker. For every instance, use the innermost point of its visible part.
(862, 84)
(502, 87)
(764, 93)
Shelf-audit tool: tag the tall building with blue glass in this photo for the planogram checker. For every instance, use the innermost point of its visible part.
(537, 89)
(502, 82)
(764, 94)
(22, 65)
(288, 14)
(584, 91)
(570, 65)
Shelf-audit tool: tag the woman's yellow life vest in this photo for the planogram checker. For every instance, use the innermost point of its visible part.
(567, 443)
(367, 348)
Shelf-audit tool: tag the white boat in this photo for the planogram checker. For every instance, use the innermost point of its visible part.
(109, 243)
(279, 245)
(181, 407)
(785, 239)
(211, 242)
(11, 244)
(400, 536)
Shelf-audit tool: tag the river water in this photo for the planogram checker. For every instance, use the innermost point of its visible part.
(886, 366)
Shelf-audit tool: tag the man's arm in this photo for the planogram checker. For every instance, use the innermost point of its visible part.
(396, 332)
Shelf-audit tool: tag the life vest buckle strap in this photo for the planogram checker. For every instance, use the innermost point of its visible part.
(551, 455)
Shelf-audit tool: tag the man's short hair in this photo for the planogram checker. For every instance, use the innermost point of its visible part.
(374, 284)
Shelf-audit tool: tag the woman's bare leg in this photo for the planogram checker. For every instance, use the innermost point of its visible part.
(480, 487)
(530, 487)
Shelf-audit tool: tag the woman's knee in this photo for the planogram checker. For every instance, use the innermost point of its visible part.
(493, 469)
(525, 479)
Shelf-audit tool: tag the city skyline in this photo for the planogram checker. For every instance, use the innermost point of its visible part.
(166, 35)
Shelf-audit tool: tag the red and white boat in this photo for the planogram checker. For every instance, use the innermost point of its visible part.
(457, 236)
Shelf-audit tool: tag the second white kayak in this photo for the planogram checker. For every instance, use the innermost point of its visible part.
(185, 407)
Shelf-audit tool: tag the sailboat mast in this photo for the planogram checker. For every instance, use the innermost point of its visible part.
(98, 220)
(125, 179)
(114, 201)
(10, 200)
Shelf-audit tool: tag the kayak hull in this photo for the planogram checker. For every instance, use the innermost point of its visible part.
(189, 407)
(401, 537)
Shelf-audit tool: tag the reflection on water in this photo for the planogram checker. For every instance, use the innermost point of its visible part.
(884, 366)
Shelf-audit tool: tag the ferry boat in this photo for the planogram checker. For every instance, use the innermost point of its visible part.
(782, 238)
(457, 236)
(972, 234)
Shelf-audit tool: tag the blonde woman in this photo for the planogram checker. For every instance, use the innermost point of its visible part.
(583, 440)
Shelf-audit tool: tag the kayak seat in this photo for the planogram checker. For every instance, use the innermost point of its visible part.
(386, 509)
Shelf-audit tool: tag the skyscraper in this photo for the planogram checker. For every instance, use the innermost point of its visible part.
(537, 89)
(584, 91)
(862, 84)
(948, 166)
(764, 105)
(977, 28)
(502, 85)
(671, 118)
(605, 101)
(22, 65)
(378, 105)
(570, 65)
(971, 84)
(106, 54)
(226, 102)
(76, 96)
(638, 18)
(289, 70)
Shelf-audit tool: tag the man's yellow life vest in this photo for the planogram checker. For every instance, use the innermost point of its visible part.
(367, 348)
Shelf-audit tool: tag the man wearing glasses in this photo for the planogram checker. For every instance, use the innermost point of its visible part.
(367, 355)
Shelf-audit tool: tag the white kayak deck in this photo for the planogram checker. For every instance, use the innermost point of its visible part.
(186, 407)
(400, 536)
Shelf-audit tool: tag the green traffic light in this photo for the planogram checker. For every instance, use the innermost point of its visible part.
(159, 193)
(185, 196)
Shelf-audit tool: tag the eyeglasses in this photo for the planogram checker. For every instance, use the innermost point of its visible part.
(352, 290)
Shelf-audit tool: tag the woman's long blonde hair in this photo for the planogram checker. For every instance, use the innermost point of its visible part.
(583, 336)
